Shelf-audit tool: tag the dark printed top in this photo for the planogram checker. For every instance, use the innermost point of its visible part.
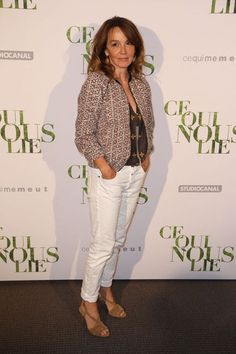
(138, 138)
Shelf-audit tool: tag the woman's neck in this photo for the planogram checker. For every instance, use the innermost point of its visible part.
(121, 75)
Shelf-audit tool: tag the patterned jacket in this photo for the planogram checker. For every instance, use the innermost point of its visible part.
(102, 126)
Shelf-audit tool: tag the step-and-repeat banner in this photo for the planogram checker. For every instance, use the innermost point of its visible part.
(185, 224)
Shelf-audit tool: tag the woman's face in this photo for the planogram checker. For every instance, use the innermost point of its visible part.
(119, 49)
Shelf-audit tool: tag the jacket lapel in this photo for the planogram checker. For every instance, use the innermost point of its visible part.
(137, 93)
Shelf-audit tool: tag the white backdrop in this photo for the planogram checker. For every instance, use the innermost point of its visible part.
(185, 222)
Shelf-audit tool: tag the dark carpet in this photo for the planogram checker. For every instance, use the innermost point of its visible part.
(164, 316)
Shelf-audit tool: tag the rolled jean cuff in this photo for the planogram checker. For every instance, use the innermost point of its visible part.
(106, 284)
(85, 297)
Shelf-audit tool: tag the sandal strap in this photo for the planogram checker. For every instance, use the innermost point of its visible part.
(88, 314)
(106, 300)
(116, 309)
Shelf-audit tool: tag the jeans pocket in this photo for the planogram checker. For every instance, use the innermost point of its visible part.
(109, 179)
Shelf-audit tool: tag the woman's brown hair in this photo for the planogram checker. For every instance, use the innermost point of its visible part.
(98, 61)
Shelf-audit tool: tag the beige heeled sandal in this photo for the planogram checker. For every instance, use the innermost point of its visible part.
(116, 310)
(99, 326)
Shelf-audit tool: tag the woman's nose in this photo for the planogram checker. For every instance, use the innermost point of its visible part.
(123, 49)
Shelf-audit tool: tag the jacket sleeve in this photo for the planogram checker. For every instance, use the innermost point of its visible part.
(89, 103)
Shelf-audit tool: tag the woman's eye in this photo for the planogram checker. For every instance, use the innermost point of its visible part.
(114, 44)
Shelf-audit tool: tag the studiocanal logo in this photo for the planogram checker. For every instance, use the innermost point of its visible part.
(80, 173)
(201, 128)
(18, 136)
(223, 7)
(208, 188)
(83, 36)
(19, 251)
(16, 55)
(196, 250)
(18, 4)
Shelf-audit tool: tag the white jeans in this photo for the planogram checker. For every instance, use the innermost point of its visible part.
(112, 204)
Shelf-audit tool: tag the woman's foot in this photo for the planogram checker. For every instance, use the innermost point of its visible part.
(95, 326)
(114, 309)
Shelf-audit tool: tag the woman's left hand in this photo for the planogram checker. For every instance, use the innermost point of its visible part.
(145, 164)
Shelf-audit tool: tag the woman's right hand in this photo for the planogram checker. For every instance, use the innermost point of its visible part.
(106, 170)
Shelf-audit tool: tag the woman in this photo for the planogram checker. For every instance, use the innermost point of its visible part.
(114, 131)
